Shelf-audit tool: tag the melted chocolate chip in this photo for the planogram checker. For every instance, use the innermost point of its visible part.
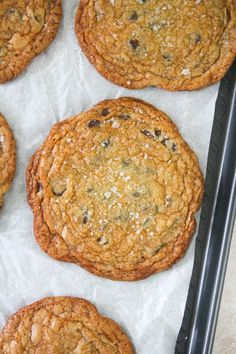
(134, 43)
(90, 190)
(133, 16)
(94, 123)
(197, 38)
(124, 116)
(105, 112)
(147, 133)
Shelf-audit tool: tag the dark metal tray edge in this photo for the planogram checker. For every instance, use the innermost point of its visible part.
(196, 335)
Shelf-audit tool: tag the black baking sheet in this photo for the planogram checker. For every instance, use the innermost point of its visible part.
(196, 334)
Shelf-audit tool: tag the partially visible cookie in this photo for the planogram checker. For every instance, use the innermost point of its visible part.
(7, 157)
(27, 27)
(62, 325)
(115, 190)
(172, 44)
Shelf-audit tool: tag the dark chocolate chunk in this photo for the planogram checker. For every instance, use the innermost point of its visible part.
(197, 38)
(85, 219)
(124, 116)
(145, 208)
(106, 143)
(146, 221)
(167, 57)
(133, 16)
(168, 201)
(125, 163)
(11, 11)
(147, 133)
(174, 147)
(102, 241)
(228, 15)
(155, 26)
(164, 141)
(59, 193)
(105, 112)
(90, 190)
(136, 194)
(102, 227)
(94, 123)
(15, 12)
(157, 132)
(38, 18)
(159, 248)
(156, 209)
(39, 187)
(122, 218)
(58, 187)
(134, 43)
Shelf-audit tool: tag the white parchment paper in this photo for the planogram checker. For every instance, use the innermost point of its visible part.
(60, 83)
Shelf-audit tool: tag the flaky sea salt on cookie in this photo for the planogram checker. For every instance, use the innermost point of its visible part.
(172, 44)
(115, 190)
(62, 325)
(27, 27)
(7, 157)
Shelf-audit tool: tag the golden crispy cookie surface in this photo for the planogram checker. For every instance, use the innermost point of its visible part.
(175, 44)
(115, 190)
(26, 28)
(62, 325)
(7, 157)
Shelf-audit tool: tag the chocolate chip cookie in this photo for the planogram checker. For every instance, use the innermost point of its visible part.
(173, 44)
(115, 190)
(27, 27)
(62, 325)
(7, 157)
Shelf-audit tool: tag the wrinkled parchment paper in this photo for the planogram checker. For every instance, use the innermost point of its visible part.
(60, 83)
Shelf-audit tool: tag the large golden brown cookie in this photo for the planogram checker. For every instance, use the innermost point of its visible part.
(7, 157)
(27, 27)
(115, 190)
(173, 44)
(62, 325)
